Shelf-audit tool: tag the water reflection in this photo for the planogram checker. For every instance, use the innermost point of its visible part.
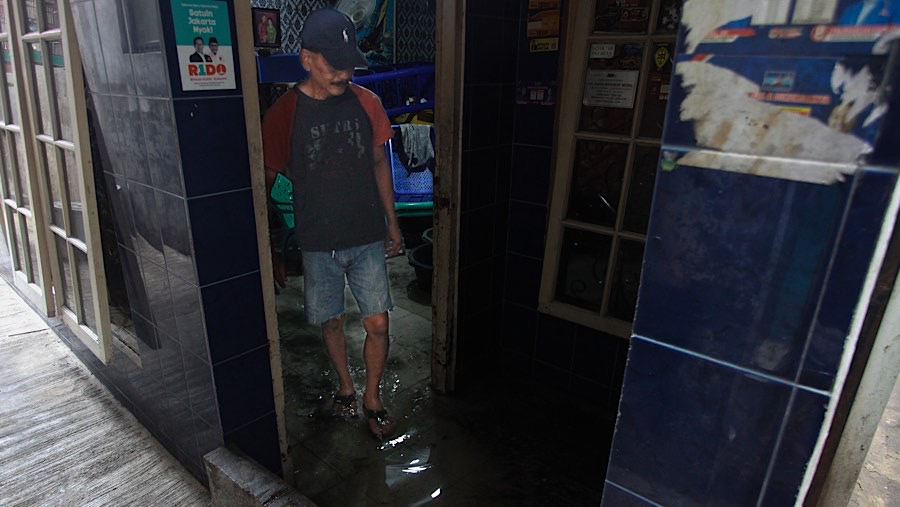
(509, 444)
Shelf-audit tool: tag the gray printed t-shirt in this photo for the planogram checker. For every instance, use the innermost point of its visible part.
(336, 202)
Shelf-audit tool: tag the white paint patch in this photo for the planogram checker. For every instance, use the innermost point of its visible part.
(772, 167)
(700, 17)
(726, 118)
(858, 92)
(883, 44)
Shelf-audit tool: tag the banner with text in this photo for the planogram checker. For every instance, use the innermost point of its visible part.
(203, 39)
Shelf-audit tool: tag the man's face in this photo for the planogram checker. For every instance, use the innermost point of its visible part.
(326, 80)
(214, 47)
(198, 46)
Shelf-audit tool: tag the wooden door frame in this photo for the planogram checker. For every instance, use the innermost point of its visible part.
(450, 36)
(249, 85)
(449, 64)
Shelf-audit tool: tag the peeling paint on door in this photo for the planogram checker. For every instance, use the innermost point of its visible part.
(772, 167)
(701, 17)
(725, 117)
(858, 92)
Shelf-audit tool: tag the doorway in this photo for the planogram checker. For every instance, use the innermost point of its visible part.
(500, 439)
(307, 377)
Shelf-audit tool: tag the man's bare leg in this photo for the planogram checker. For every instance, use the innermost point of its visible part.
(336, 345)
(375, 352)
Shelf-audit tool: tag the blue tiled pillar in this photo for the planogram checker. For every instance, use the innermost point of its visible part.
(212, 144)
(751, 283)
(177, 179)
(747, 295)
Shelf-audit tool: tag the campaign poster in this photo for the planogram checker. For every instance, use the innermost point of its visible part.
(203, 41)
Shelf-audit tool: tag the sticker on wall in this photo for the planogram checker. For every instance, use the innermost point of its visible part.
(536, 93)
(543, 45)
(621, 16)
(543, 4)
(203, 40)
(605, 51)
(543, 23)
(610, 88)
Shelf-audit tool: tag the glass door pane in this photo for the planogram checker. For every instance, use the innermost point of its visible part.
(11, 184)
(12, 89)
(30, 23)
(73, 192)
(611, 82)
(581, 280)
(597, 182)
(51, 166)
(34, 273)
(51, 14)
(640, 189)
(626, 279)
(65, 273)
(657, 91)
(4, 24)
(668, 17)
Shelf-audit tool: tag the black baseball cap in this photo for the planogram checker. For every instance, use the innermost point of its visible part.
(331, 33)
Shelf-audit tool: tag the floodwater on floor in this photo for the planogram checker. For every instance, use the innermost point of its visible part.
(509, 442)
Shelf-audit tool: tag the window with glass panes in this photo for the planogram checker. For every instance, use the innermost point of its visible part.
(21, 211)
(617, 66)
(49, 205)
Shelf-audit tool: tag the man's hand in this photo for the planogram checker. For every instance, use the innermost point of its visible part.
(394, 240)
(279, 271)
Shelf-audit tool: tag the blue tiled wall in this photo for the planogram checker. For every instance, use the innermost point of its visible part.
(176, 170)
(539, 346)
(748, 291)
(491, 33)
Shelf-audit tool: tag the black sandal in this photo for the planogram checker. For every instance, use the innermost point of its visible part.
(344, 407)
(384, 424)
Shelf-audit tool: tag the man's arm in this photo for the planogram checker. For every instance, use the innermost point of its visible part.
(271, 174)
(384, 181)
(276, 137)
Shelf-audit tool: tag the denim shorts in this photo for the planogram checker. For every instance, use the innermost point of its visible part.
(361, 267)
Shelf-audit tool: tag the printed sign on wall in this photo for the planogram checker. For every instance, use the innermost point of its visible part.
(203, 39)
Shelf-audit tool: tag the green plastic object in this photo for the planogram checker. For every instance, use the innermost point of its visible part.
(283, 199)
(413, 209)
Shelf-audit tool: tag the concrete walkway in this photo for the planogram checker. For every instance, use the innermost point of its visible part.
(64, 439)
(878, 484)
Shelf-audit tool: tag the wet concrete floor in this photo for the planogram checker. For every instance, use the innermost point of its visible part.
(508, 443)
(64, 439)
(879, 480)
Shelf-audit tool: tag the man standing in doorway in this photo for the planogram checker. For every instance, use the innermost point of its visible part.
(327, 135)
